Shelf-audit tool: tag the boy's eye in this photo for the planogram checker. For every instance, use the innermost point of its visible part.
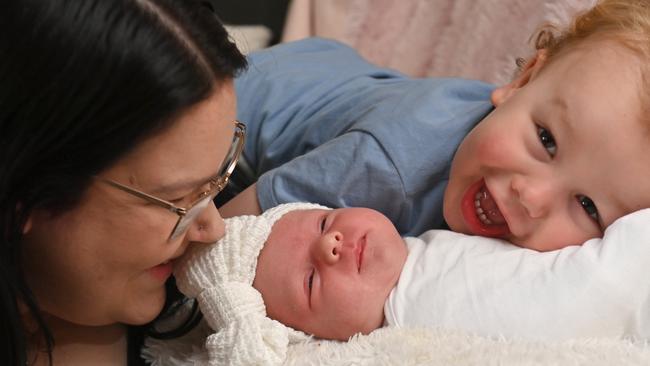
(547, 140)
(590, 207)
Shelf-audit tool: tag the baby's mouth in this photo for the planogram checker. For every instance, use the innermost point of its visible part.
(486, 209)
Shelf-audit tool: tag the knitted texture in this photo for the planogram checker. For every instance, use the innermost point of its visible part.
(220, 277)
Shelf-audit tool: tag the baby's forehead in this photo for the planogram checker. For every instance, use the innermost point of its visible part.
(293, 222)
(300, 216)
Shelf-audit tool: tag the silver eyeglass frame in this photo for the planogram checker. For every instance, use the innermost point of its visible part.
(186, 215)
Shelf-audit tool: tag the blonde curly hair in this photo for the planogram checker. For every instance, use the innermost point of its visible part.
(626, 22)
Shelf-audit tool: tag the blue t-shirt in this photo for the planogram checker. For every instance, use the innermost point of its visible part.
(326, 126)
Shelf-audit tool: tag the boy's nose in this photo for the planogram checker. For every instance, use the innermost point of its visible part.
(328, 248)
(536, 196)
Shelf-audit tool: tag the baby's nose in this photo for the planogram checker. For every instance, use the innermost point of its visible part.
(328, 247)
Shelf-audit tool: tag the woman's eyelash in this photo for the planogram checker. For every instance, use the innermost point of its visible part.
(590, 207)
(547, 140)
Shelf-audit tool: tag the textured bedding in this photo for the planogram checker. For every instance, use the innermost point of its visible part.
(400, 346)
(395, 346)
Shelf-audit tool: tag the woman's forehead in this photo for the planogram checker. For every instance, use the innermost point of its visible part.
(191, 150)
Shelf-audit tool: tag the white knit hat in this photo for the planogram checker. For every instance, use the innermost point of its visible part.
(220, 277)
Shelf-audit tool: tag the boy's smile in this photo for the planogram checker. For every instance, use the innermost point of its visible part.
(563, 155)
(481, 213)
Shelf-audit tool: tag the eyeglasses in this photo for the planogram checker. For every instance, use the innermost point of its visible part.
(187, 215)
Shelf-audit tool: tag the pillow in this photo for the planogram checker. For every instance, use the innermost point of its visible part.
(493, 288)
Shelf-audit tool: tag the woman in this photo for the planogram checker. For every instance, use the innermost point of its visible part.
(117, 121)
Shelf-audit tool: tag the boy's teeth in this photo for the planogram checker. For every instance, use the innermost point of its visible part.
(479, 211)
(489, 214)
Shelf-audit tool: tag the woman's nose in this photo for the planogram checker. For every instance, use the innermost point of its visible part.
(327, 249)
(536, 196)
(208, 226)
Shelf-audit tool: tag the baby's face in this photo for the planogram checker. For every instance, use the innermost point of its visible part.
(329, 272)
(561, 157)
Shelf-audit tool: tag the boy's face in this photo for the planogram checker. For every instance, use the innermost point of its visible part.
(561, 157)
(329, 272)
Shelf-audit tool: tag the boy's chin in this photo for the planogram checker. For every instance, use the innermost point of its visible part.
(453, 219)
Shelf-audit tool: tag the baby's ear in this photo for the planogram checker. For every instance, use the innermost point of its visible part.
(530, 70)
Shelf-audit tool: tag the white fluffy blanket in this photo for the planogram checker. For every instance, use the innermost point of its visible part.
(396, 346)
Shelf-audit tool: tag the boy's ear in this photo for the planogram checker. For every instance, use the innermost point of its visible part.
(529, 72)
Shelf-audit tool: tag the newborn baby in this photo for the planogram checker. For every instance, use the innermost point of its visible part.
(311, 269)
(303, 268)
(329, 272)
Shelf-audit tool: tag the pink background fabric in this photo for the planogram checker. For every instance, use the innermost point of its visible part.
(461, 38)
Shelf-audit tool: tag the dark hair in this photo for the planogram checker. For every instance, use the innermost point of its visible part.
(82, 83)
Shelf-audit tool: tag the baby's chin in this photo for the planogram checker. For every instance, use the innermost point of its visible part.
(346, 329)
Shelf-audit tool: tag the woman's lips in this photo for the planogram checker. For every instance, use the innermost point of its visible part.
(162, 271)
(481, 213)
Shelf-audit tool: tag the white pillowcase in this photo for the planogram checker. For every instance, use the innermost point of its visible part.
(493, 288)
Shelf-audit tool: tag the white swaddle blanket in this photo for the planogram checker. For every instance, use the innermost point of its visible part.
(493, 288)
(466, 300)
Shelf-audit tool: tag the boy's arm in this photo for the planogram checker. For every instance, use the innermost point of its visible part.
(325, 126)
(245, 203)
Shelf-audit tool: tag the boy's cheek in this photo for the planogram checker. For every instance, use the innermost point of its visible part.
(490, 145)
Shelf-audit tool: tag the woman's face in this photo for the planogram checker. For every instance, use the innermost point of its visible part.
(106, 261)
